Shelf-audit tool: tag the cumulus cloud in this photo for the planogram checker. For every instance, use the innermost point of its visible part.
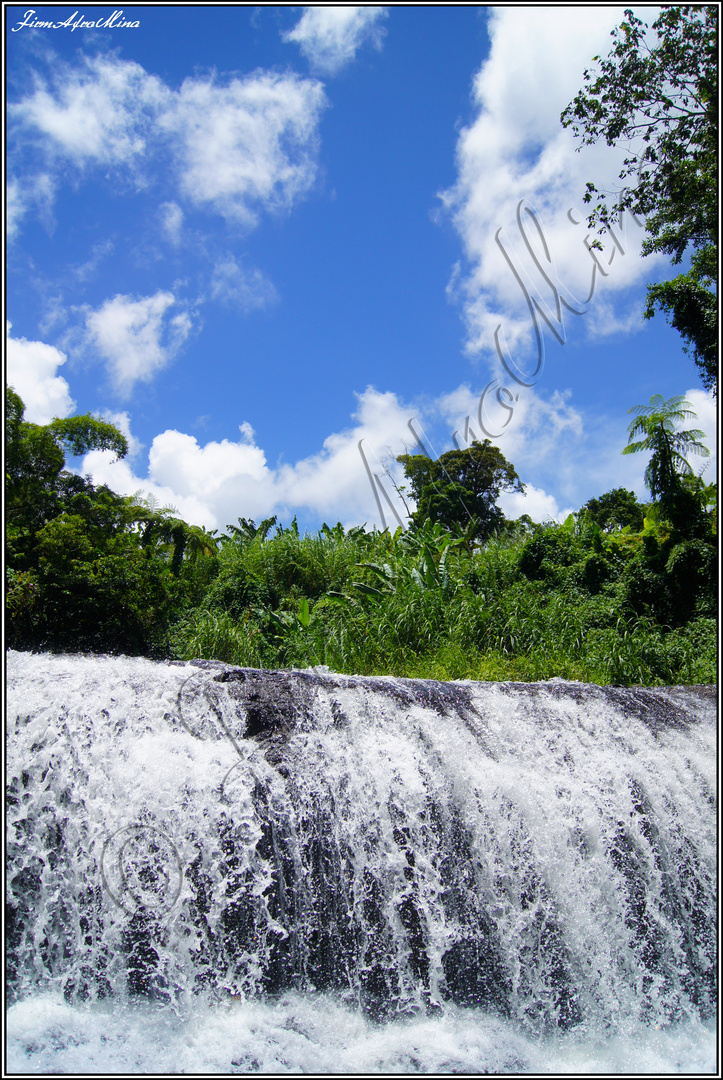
(100, 111)
(210, 485)
(136, 338)
(120, 477)
(516, 149)
(250, 143)
(536, 503)
(351, 478)
(234, 285)
(215, 483)
(335, 482)
(177, 460)
(236, 146)
(563, 457)
(330, 36)
(31, 371)
(529, 430)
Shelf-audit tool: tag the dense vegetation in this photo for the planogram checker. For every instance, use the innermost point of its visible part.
(620, 593)
(656, 96)
(461, 485)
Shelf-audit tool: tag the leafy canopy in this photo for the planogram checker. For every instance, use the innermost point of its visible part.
(656, 421)
(616, 509)
(657, 95)
(461, 487)
(36, 481)
(75, 435)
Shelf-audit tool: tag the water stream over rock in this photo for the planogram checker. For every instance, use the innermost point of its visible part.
(324, 862)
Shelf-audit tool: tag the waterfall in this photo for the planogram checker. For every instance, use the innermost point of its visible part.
(456, 877)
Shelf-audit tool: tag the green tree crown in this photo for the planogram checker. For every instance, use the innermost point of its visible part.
(461, 486)
(656, 421)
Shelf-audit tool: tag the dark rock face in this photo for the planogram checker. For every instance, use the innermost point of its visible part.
(281, 701)
(275, 702)
(658, 707)
(283, 698)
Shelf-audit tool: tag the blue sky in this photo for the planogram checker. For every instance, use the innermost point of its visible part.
(256, 237)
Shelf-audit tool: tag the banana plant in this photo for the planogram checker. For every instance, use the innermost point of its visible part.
(283, 622)
(247, 530)
(431, 571)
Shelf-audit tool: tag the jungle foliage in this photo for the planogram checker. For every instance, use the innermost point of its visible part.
(461, 485)
(656, 95)
(616, 594)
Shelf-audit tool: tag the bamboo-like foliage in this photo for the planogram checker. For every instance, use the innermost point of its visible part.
(564, 601)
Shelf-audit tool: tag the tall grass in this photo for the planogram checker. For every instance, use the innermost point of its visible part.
(419, 604)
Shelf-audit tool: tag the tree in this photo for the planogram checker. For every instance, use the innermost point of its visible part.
(77, 574)
(97, 591)
(79, 434)
(691, 305)
(659, 98)
(616, 509)
(33, 462)
(668, 464)
(656, 422)
(461, 485)
(37, 486)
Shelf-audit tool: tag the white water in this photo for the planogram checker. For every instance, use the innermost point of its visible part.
(312, 873)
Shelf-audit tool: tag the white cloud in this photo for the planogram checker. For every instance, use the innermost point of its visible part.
(530, 431)
(31, 371)
(171, 216)
(136, 338)
(705, 407)
(120, 477)
(334, 482)
(16, 207)
(177, 460)
(516, 149)
(604, 321)
(236, 286)
(562, 457)
(36, 193)
(329, 36)
(215, 483)
(236, 146)
(534, 502)
(209, 485)
(245, 145)
(101, 111)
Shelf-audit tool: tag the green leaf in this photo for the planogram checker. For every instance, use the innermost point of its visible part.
(366, 590)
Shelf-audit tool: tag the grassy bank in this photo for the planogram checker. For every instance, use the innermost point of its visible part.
(550, 601)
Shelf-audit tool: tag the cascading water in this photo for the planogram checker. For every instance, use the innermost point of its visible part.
(216, 869)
